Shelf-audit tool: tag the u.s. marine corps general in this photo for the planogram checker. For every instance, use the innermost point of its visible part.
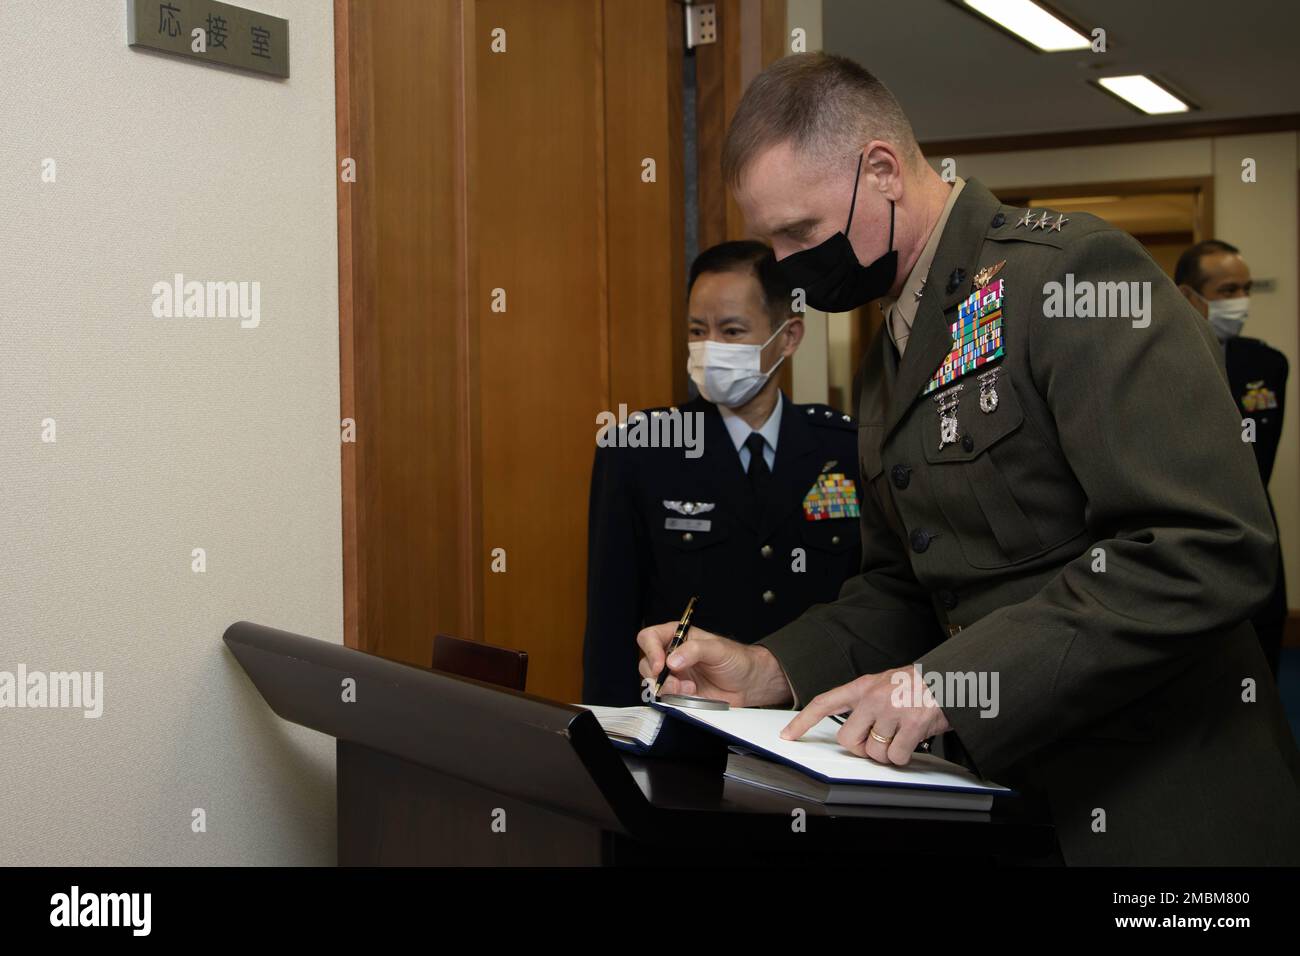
(1056, 497)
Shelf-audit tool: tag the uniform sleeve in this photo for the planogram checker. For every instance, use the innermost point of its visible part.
(1153, 436)
(881, 619)
(614, 577)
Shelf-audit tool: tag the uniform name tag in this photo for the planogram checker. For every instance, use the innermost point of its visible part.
(688, 524)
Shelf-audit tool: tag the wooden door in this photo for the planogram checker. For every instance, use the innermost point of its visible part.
(508, 270)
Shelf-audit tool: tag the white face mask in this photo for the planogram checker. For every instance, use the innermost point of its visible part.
(1228, 315)
(727, 373)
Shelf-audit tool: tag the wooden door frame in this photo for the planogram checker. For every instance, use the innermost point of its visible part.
(351, 142)
(751, 35)
(358, 369)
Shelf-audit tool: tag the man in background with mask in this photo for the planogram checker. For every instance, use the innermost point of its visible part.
(1063, 537)
(761, 525)
(1215, 279)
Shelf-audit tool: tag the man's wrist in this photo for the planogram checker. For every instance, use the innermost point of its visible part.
(771, 687)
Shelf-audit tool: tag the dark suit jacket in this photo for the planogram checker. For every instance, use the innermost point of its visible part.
(641, 572)
(1120, 691)
(1257, 375)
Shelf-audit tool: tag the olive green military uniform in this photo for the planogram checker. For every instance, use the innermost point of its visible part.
(1096, 537)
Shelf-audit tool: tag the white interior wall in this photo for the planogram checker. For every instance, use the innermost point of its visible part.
(171, 434)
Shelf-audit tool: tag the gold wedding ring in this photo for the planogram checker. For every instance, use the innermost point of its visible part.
(876, 736)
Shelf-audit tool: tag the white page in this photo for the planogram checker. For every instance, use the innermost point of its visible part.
(638, 723)
(819, 753)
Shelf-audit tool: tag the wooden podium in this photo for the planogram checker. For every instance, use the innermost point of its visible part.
(439, 770)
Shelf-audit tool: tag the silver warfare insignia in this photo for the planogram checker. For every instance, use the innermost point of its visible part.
(690, 507)
(989, 391)
(948, 427)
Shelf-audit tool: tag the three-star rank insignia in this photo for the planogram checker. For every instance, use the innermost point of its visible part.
(833, 496)
(976, 335)
(1043, 222)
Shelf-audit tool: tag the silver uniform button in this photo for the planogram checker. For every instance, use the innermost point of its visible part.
(765, 550)
(769, 597)
(835, 539)
(687, 536)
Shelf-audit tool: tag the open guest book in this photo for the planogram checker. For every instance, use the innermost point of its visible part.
(815, 767)
(630, 728)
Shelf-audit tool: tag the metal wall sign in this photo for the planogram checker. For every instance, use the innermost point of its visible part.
(211, 31)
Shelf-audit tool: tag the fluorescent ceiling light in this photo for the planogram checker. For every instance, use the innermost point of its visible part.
(1032, 24)
(1144, 93)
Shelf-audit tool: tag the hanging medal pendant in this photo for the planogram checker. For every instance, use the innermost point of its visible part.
(948, 427)
(989, 391)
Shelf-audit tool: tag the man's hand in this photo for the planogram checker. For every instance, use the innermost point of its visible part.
(706, 665)
(895, 704)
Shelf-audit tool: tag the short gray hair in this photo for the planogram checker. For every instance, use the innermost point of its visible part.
(824, 105)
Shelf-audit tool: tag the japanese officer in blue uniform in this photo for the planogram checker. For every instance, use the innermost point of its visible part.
(1214, 278)
(761, 523)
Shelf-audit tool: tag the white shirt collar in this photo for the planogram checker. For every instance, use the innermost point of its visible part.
(739, 429)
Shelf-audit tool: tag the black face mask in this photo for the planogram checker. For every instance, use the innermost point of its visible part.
(832, 278)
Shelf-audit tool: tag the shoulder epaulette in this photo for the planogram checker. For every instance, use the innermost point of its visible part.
(651, 412)
(819, 414)
(1042, 226)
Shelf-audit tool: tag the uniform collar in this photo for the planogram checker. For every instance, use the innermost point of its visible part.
(905, 305)
(739, 429)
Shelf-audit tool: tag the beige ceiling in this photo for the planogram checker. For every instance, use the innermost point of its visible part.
(959, 77)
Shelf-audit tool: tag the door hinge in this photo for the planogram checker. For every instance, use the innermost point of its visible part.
(701, 24)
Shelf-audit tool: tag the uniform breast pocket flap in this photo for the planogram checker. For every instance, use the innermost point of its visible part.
(973, 490)
(979, 416)
(692, 534)
(835, 536)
